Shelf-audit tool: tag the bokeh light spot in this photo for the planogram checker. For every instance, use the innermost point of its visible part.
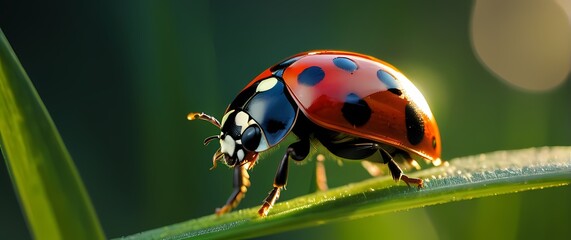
(526, 43)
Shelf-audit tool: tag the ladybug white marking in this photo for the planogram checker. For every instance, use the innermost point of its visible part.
(242, 120)
(226, 117)
(240, 155)
(227, 145)
(266, 85)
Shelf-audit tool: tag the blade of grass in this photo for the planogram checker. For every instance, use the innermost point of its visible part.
(461, 179)
(50, 190)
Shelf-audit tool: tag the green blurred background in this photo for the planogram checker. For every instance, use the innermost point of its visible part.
(119, 77)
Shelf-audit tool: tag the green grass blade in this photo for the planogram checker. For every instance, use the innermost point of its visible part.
(50, 190)
(463, 178)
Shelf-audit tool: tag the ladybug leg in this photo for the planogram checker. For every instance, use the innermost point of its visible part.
(297, 151)
(359, 149)
(396, 171)
(320, 176)
(407, 158)
(241, 184)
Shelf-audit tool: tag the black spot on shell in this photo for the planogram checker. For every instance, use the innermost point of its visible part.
(414, 124)
(434, 142)
(396, 91)
(311, 76)
(355, 110)
(345, 64)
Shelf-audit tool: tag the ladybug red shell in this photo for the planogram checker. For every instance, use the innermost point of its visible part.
(393, 110)
(355, 106)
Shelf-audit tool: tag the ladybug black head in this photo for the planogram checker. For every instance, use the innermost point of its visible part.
(241, 138)
(260, 117)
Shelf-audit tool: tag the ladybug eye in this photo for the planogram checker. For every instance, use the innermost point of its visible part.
(251, 138)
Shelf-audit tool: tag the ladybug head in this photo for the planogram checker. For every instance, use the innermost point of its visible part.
(241, 138)
(260, 117)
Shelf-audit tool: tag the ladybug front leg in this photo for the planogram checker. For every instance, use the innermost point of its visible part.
(241, 184)
(297, 151)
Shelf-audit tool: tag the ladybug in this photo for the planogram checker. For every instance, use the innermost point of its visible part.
(354, 106)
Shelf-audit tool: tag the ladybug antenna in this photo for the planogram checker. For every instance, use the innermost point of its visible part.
(217, 155)
(209, 139)
(203, 116)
